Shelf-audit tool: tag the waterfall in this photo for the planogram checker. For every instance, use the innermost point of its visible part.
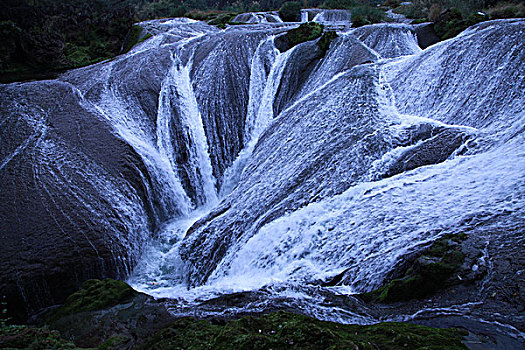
(263, 90)
(177, 96)
(333, 16)
(258, 17)
(129, 125)
(304, 16)
(336, 168)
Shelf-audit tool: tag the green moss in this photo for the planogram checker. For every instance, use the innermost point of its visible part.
(77, 55)
(96, 295)
(428, 274)
(326, 39)
(133, 38)
(283, 330)
(23, 337)
(420, 20)
(222, 19)
(305, 32)
(364, 15)
(290, 11)
(115, 342)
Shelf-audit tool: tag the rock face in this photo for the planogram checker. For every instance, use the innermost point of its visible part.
(107, 314)
(389, 40)
(328, 189)
(93, 163)
(74, 196)
(320, 172)
(258, 17)
(354, 125)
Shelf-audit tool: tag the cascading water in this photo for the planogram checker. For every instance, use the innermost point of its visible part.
(337, 171)
(258, 17)
(304, 16)
(263, 90)
(177, 89)
(333, 16)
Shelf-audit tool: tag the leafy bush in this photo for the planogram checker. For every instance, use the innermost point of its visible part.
(506, 10)
(290, 11)
(412, 11)
(305, 32)
(391, 3)
(326, 39)
(451, 22)
(363, 15)
(341, 4)
(49, 36)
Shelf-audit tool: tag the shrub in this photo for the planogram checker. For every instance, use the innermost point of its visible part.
(451, 22)
(391, 3)
(363, 15)
(412, 11)
(326, 39)
(341, 4)
(434, 12)
(290, 11)
(506, 10)
(305, 32)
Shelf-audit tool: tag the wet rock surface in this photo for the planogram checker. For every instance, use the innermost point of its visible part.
(107, 314)
(59, 228)
(125, 319)
(340, 175)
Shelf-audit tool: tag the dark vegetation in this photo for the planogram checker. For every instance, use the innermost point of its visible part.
(24, 337)
(326, 39)
(47, 36)
(291, 11)
(282, 330)
(279, 330)
(305, 32)
(96, 295)
(451, 17)
(363, 15)
(41, 38)
(433, 270)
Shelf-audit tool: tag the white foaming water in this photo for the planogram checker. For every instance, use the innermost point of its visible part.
(258, 17)
(128, 123)
(367, 229)
(260, 107)
(177, 89)
(151, 275)
(389, 219)
(304, 16)
(333, 16)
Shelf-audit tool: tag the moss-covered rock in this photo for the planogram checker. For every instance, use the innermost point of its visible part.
(143, 323)
(326, 39)
(134, 37)
(305, 32)
(222, 20)
(107, 314)
(96, 295)
(283, 330)
(364, 15)
(24, 337)
(429, 273)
